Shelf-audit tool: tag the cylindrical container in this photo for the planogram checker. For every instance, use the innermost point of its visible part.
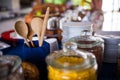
(111, 49)
(10, 68)
(71, 64)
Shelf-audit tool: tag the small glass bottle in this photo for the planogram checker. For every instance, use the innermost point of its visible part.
(10, 68)
(71, 64)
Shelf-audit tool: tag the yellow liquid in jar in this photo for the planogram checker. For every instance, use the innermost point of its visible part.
(60, 74)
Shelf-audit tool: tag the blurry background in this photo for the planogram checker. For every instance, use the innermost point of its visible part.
(12, 10)
(104, 13)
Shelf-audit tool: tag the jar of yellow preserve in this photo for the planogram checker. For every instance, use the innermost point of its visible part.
(71, 64)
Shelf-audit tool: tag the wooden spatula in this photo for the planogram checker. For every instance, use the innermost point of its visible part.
(44, 26)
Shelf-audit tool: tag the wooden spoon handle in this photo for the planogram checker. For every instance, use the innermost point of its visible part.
(30, 38)
(30, 34)
(26, 42)
(44, 26)
(32, 43)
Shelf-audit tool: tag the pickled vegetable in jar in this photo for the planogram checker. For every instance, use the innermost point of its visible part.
(71, 64)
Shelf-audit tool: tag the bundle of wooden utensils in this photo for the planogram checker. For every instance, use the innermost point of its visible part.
(38, 27)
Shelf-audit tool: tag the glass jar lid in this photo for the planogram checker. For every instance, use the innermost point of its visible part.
(87, 42)
(70, 58)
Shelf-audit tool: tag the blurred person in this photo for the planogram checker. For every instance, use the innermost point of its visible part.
(96, 15)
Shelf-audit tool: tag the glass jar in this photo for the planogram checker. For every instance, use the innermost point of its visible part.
(71, 64)
(92, 44)
(10, 68)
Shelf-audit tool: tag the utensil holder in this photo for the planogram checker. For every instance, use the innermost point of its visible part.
(36, 53)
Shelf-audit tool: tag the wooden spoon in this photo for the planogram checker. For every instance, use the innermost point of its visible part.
(30, 35)
(36, 25)
(44, 26)
(22, 30)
